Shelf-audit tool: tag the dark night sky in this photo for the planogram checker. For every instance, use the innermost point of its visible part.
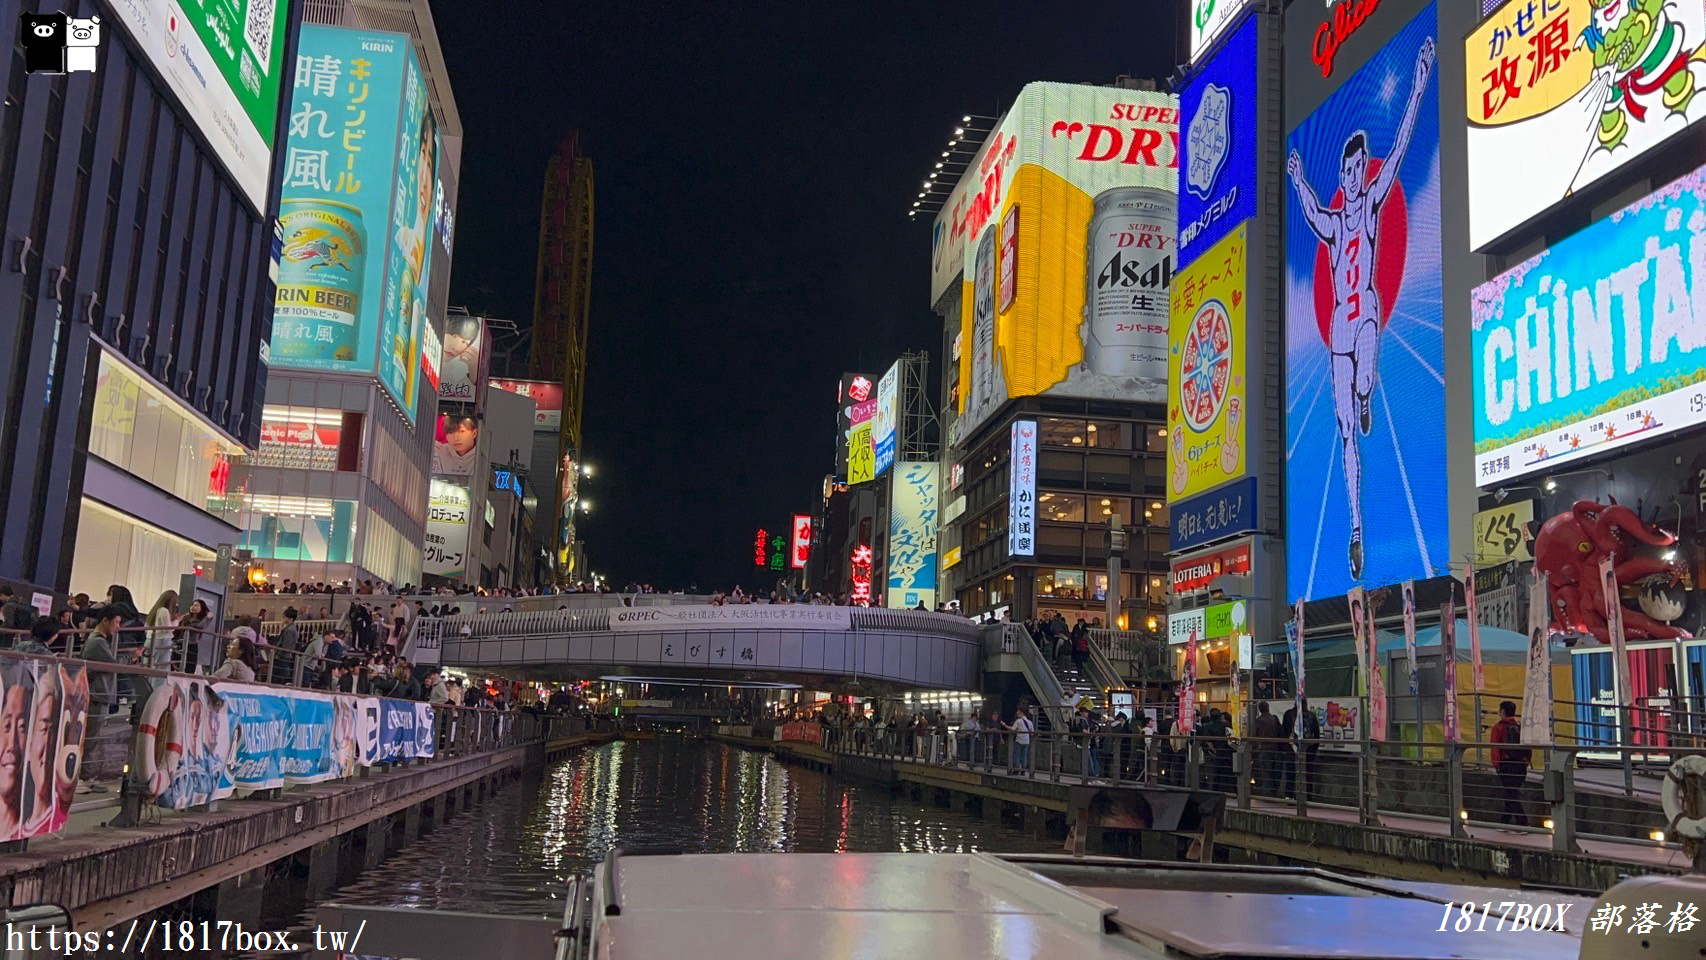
(754, 162)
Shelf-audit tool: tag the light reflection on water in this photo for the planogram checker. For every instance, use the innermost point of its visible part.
(515, 854)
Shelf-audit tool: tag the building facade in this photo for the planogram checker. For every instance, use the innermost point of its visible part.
(133, 364)
(338, 487)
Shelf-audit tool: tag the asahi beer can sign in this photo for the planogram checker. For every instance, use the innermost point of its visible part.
(1129, 269)
(988, 387)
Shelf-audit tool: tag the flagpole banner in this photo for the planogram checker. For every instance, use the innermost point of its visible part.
(1473, 612)
(1188, 688)
(1358, 600)
(1448, 658)
(1297, 667)
(1376, 683)
(1537, 682)
(1410, 639)
(1619, 642)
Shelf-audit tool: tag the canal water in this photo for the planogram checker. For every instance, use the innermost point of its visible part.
(514, 854)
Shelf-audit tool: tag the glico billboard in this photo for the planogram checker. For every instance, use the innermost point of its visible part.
(1068, 222)
(1365, 357)
(1597, 343)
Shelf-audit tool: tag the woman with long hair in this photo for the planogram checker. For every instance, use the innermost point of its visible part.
(240, 662)
(188, 635)
(162, 617)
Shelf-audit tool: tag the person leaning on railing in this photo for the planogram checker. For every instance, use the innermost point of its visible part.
(240, 662)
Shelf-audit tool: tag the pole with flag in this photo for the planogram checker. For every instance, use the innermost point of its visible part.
(1619, 646)
(1297, 667)
(1537, 683)
(1448, 654)
(1473, 612)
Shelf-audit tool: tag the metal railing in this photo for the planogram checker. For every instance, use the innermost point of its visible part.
(1014, 639)
(118, 689)
(1551, 792)
(337, 604)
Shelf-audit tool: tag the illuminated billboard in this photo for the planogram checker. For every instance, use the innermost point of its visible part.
(883, 420)
(1206, 345)
(1365, 444)
(912, 535)
(1596, 343)
(854, 395)
(1022, 489)
(800, 542)
(445, 552)
(225, 64)
(465, 358)
(356, 211)
(1217, 133)
(1094, 171)
(1562, 93)
(547, 401)
(1210, 18)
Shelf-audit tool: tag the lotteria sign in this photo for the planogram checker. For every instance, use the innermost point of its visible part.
(1596, 343)
(1196, 573)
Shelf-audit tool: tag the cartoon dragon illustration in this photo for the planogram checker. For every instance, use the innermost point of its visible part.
(1645, 57)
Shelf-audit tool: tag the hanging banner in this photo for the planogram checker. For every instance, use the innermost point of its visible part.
(1188, 687)
(1537, 680)
(203, 726)
(1473, 613)
(1358, 601)
(1297, 666)
(1376, 683)
(1410, 637)
(1496, 597)
(43, 707)
(1448, 657)
(405, 730)
(1614, 622)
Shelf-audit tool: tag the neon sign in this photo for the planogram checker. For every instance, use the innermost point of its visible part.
(862, 575)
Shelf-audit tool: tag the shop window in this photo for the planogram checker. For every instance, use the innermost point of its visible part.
(299, 528)
(1060, 507)
(1058, 432)
(1061, 584)
(141, 429)
(1103, 508)
(1060, 544)
(1155, 438)
(1108, 435)
(1108, 471)
(1059, 468)
(303, 438)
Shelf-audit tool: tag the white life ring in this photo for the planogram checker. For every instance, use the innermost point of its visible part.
(155, 765)
(1693, 828)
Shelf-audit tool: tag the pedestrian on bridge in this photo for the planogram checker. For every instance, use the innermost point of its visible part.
(1511, 762)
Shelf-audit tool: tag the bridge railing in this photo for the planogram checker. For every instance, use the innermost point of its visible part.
(337, 605)
(1556, 794)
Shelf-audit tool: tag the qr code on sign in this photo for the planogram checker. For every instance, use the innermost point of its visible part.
(258, 30)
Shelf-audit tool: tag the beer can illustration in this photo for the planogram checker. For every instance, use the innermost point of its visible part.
(1127, 272)
(322, 267)
(988, 386)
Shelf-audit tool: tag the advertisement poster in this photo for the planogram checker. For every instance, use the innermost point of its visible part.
(1473, 613)
(225, 64)
(1358, 602)
(1448, 658)
(335, 207)
(44, 705)
(405, 730)
(851, 395)
(745, 616)
(912, 536)
(1217, 168)
(1022, 490)
(204, 731)
(1205, 366)
(547, 400)
(1496, 599)
(1537, 675)
(1095, 169)
(1410, 640)
(463, 370)
(1188, 687)
(883, 420)
(410, 239)
(1595, 343)
(1577, 89)
(1377, 703)
(1364, 348)
(445, 552)
(1614, 624)
(304, 737)
(456, 445)
(1503, 533)
(1298, 662)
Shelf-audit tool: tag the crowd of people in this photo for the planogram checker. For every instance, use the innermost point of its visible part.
(383, 589)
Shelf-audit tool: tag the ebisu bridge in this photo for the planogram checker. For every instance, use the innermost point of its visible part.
(817, 647)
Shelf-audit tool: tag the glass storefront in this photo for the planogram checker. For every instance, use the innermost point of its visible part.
(307, 438)
(113, 548)
(140, 429)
